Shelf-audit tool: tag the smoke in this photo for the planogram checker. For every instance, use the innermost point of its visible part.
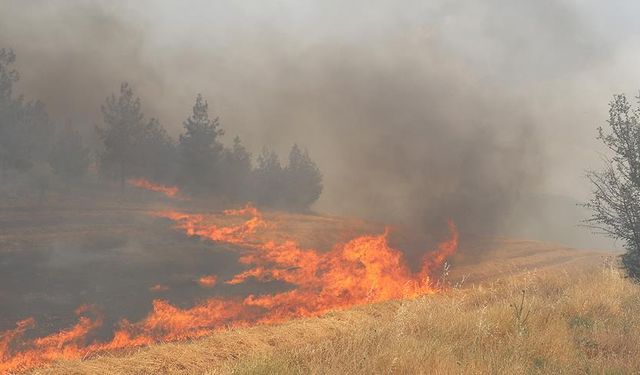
(415, 113)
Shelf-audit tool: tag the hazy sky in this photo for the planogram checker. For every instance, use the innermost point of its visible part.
(529, 80)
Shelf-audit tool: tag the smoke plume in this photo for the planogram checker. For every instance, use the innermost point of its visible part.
(415, 113)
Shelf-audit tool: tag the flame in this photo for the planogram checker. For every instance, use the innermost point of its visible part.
(196, 225)
(169, 191)
(64, 344)
(364, 270)
(208, 281)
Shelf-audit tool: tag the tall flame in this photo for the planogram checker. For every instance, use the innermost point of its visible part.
(363, 270)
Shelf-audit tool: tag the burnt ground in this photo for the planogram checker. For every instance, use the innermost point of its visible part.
(54, 259)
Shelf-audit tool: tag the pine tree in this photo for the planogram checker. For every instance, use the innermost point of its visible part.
(156, 153)
(8, 76)
(239, 156)
(121, 135)
(236, 172)
(200, 148)
(303, 180)
(268, 181)
(8, 112)
(25, 129)
(133, 147)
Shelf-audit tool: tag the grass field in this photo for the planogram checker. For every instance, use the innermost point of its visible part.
(510, 306)
(577, 316)
(561, 320)
(555, 322)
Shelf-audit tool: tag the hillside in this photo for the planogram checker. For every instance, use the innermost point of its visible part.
(567, 319)
(469, 327)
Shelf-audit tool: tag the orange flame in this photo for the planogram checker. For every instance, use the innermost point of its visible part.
(169, 191)
(363, 270)
(196, 225)
(64, 344)
(208, 281)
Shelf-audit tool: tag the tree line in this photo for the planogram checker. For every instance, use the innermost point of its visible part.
(132, 146)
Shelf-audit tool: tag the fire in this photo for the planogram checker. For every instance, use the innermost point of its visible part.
(208, 281)
(195, 225)
(364, 270)
(64, 344)
(169, 191)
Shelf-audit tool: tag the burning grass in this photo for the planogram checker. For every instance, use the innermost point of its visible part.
(578, 320)
(364, 270)
(169, 191)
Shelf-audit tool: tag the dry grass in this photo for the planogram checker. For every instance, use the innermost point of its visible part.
(583, 320)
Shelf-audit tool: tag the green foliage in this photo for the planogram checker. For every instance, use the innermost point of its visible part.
(123, 128)
(236, 171)
(25, 129)
(156, 153)
(303, 179)
(269, 180)
(132, 147)
(8, 76)
(616, 188)
(200, 149)
(295, 186)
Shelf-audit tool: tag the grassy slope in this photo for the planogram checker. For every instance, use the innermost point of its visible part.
(579, 317)
(568, 323)
(582, 319)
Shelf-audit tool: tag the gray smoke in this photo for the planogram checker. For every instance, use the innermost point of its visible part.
(415, 112)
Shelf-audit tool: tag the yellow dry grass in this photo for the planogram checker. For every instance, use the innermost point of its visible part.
(570, 320)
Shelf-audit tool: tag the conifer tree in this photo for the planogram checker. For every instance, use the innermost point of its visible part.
(200, 148)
